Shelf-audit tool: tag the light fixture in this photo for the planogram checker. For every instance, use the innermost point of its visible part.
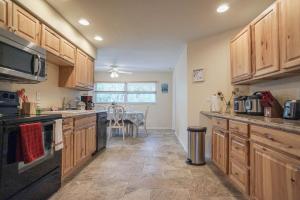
(84, 22)
(98, 38)
(114, 75)
(223, 8)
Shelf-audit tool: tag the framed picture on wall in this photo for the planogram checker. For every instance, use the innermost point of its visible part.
(165, 88)
(198, 75)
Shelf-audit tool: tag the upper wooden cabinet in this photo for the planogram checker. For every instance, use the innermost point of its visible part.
(265, 42)
(68, 51)
(26, 25)
(240, 49)
(90, 73)
(5, 14)
(81, 69)
(51, 41)
(290, 33)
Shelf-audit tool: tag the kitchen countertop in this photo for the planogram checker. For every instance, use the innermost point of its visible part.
(292, 126)
(73, 113)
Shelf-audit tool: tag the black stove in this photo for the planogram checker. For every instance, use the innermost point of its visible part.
(35, 180)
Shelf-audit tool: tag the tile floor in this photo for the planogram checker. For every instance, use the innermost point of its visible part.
(147, 168)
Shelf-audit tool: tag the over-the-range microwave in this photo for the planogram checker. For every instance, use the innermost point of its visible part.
(20, 60)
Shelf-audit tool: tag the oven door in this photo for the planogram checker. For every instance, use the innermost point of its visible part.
(16, 175)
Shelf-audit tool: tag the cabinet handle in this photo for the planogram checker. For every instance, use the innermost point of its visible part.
(269, 136)
(236, 148)
(236, 173)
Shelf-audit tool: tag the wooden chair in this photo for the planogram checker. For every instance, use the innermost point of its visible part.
(116, 119)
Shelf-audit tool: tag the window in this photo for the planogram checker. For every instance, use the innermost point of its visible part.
(120, 92)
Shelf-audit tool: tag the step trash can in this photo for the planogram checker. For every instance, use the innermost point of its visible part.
(196, 145)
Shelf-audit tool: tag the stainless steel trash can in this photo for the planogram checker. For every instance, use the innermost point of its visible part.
(196, 145)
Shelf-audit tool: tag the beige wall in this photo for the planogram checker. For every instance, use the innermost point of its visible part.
(160, 113)
(180, 99)
(212, 54)
(283, 89)
(44, 11)
(50, 93)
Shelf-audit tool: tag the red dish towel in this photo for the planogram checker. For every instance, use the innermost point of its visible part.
(30, 144)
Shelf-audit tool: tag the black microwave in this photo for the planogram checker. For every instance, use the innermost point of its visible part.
(20, 60)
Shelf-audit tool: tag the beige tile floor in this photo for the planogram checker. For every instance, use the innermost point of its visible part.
(147, 168)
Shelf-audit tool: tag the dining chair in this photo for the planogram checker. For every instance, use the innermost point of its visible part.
(116, 119)
(143, 123)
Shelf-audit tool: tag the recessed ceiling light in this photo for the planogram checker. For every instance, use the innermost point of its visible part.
(98, 38)
(223, 8)
(84, 22)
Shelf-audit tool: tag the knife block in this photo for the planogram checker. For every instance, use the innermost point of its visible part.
(28, 108)
(275, 111)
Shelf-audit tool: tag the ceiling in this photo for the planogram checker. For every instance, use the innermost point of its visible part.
(142, 35)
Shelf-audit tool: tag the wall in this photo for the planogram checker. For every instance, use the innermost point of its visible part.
(50, 93)
(45, 12)
(212, 54)
(160, 113)
(180, 98)
(282, 89)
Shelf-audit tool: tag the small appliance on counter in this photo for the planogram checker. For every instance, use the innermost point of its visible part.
(215, 103)
(239, 104)
(254, 105)
(291, 109)
(88, 100)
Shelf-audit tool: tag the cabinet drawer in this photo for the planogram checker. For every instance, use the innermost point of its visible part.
(84, 122)
(219, 122)
(239, 175)
(67, 124)
(239, 149)
(239, 128)
(280, 140)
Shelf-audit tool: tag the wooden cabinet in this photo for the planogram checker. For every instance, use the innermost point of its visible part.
(240, 56)
(220, 149)
(274, 176)
(68, 152)
(91, 139)
(68, 51)
(90, 73)
(79, 145)
(290, 33)
(265, 42)
(25, 25)
(51, 41)
(5, 14)
(81, 69)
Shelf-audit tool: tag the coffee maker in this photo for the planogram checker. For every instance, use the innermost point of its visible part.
(88, 100)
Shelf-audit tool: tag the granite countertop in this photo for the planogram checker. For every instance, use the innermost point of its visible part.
(73, 113)
(292, 126)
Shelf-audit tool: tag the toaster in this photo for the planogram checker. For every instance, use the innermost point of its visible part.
(254, 104)
(291, 109)
(239, 104)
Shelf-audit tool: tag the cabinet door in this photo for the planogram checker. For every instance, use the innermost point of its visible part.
(240, 55)
(265, 42)
(26, 25)
(220, 149)
(50, 40)
(68, 154)
(68, 51)
(5, 14)
(79, 145)
(290, 33)
(274, 176)
(81, 70)
(90, 73)
(91, 140)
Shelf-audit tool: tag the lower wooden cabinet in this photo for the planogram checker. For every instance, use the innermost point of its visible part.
(79, 137)
(220, 149)
(68, 152)
(274, 176)
(239, 174)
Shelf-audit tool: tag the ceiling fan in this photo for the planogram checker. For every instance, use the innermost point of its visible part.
(115, 71)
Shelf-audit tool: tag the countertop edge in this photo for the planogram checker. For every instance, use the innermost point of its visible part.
(278, 126)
